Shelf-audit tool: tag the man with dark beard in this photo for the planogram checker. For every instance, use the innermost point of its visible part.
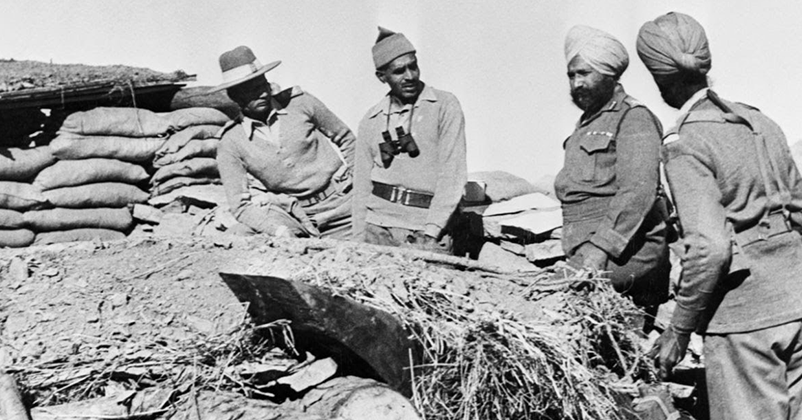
(613, 213)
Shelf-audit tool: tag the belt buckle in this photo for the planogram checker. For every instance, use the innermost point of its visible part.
(406, 198)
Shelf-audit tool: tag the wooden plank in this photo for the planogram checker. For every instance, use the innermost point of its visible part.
(49, 97)
(318, 316)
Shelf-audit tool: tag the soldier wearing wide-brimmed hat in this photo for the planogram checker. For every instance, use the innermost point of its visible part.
(298, 150)
(410, 166)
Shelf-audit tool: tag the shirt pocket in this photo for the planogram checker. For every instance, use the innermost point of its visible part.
(599, 149)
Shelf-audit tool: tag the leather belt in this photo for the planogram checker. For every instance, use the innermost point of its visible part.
(319, 196)
(401, 195)
(774, 224)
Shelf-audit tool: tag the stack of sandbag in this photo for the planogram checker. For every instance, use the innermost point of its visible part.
(17, 195)
(519, 223)
(104, 154)
(188, 156)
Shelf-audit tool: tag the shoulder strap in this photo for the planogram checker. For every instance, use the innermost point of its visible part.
(780, 195)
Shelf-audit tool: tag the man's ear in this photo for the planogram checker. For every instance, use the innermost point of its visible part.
(380, 76)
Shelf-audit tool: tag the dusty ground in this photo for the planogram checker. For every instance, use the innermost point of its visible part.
(148, 297)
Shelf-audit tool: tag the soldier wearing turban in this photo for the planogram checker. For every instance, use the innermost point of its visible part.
(613, 214)
(739, 198)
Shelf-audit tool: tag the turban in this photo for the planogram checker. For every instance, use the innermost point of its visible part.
(599, 49)
(673, 43)
(389, 46)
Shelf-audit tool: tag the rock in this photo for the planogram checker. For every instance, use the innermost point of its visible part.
(17, 270)
(17, 322)
(202, 325)
(50, 272)
(493, 254)
(184, 275)
(309, 375)
(543, 251)
(147, 214)
(118, 299)
(353, 398)
(5, 358)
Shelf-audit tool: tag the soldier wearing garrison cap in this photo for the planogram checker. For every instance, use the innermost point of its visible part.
(410, 167)
(739, 199)
(613, 212)
(300, 153)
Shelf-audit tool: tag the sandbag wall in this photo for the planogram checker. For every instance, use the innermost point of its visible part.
(83, 185)
(18, 168)
(188, 156)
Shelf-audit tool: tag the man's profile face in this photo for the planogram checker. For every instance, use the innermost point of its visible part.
(403, 77)
(590, 90)
(253, 97)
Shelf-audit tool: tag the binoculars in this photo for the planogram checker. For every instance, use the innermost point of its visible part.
(389, 147)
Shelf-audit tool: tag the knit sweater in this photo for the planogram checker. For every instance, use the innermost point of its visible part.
(438, 127)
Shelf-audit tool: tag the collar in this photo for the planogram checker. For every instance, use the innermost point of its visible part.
(698, 96)
(250, 124)
(388, 102)
(614, 104)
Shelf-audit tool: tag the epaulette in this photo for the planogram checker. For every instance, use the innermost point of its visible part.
(632, 102)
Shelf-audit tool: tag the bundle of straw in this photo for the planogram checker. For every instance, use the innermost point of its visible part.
(494, 365)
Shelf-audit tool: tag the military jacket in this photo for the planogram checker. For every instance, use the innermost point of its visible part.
(737, 191)
(610, 178)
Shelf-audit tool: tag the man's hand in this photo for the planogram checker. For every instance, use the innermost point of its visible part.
(420, 238)
(591, 257)
(668, 350)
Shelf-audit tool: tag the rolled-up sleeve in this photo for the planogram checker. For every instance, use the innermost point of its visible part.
(637, 176)
(706, 247)
(453, 172)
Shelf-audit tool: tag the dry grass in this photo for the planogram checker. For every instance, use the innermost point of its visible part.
(200, 363)
(492, 365)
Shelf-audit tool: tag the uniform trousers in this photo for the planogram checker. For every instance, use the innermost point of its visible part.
(756, 374)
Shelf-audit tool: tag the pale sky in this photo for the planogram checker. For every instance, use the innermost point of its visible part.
(502, 59)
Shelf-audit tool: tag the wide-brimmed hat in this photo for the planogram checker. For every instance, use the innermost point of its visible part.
(240, 65)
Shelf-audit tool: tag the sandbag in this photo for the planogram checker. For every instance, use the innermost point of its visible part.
(65, 219)
(77, 235)
(193, 149)
(102, 194)
(69, 173)
(23, 164)
(502, 185)
(183, 118)
(74, 146)
(10, 219)
(179, 182)
(20, 196)
(181, 138)
(198, 168)
(199, 96)
(16, 238)
(127, 122)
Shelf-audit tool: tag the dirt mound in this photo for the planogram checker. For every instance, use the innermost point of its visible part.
(25, 74)
(81, 320)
